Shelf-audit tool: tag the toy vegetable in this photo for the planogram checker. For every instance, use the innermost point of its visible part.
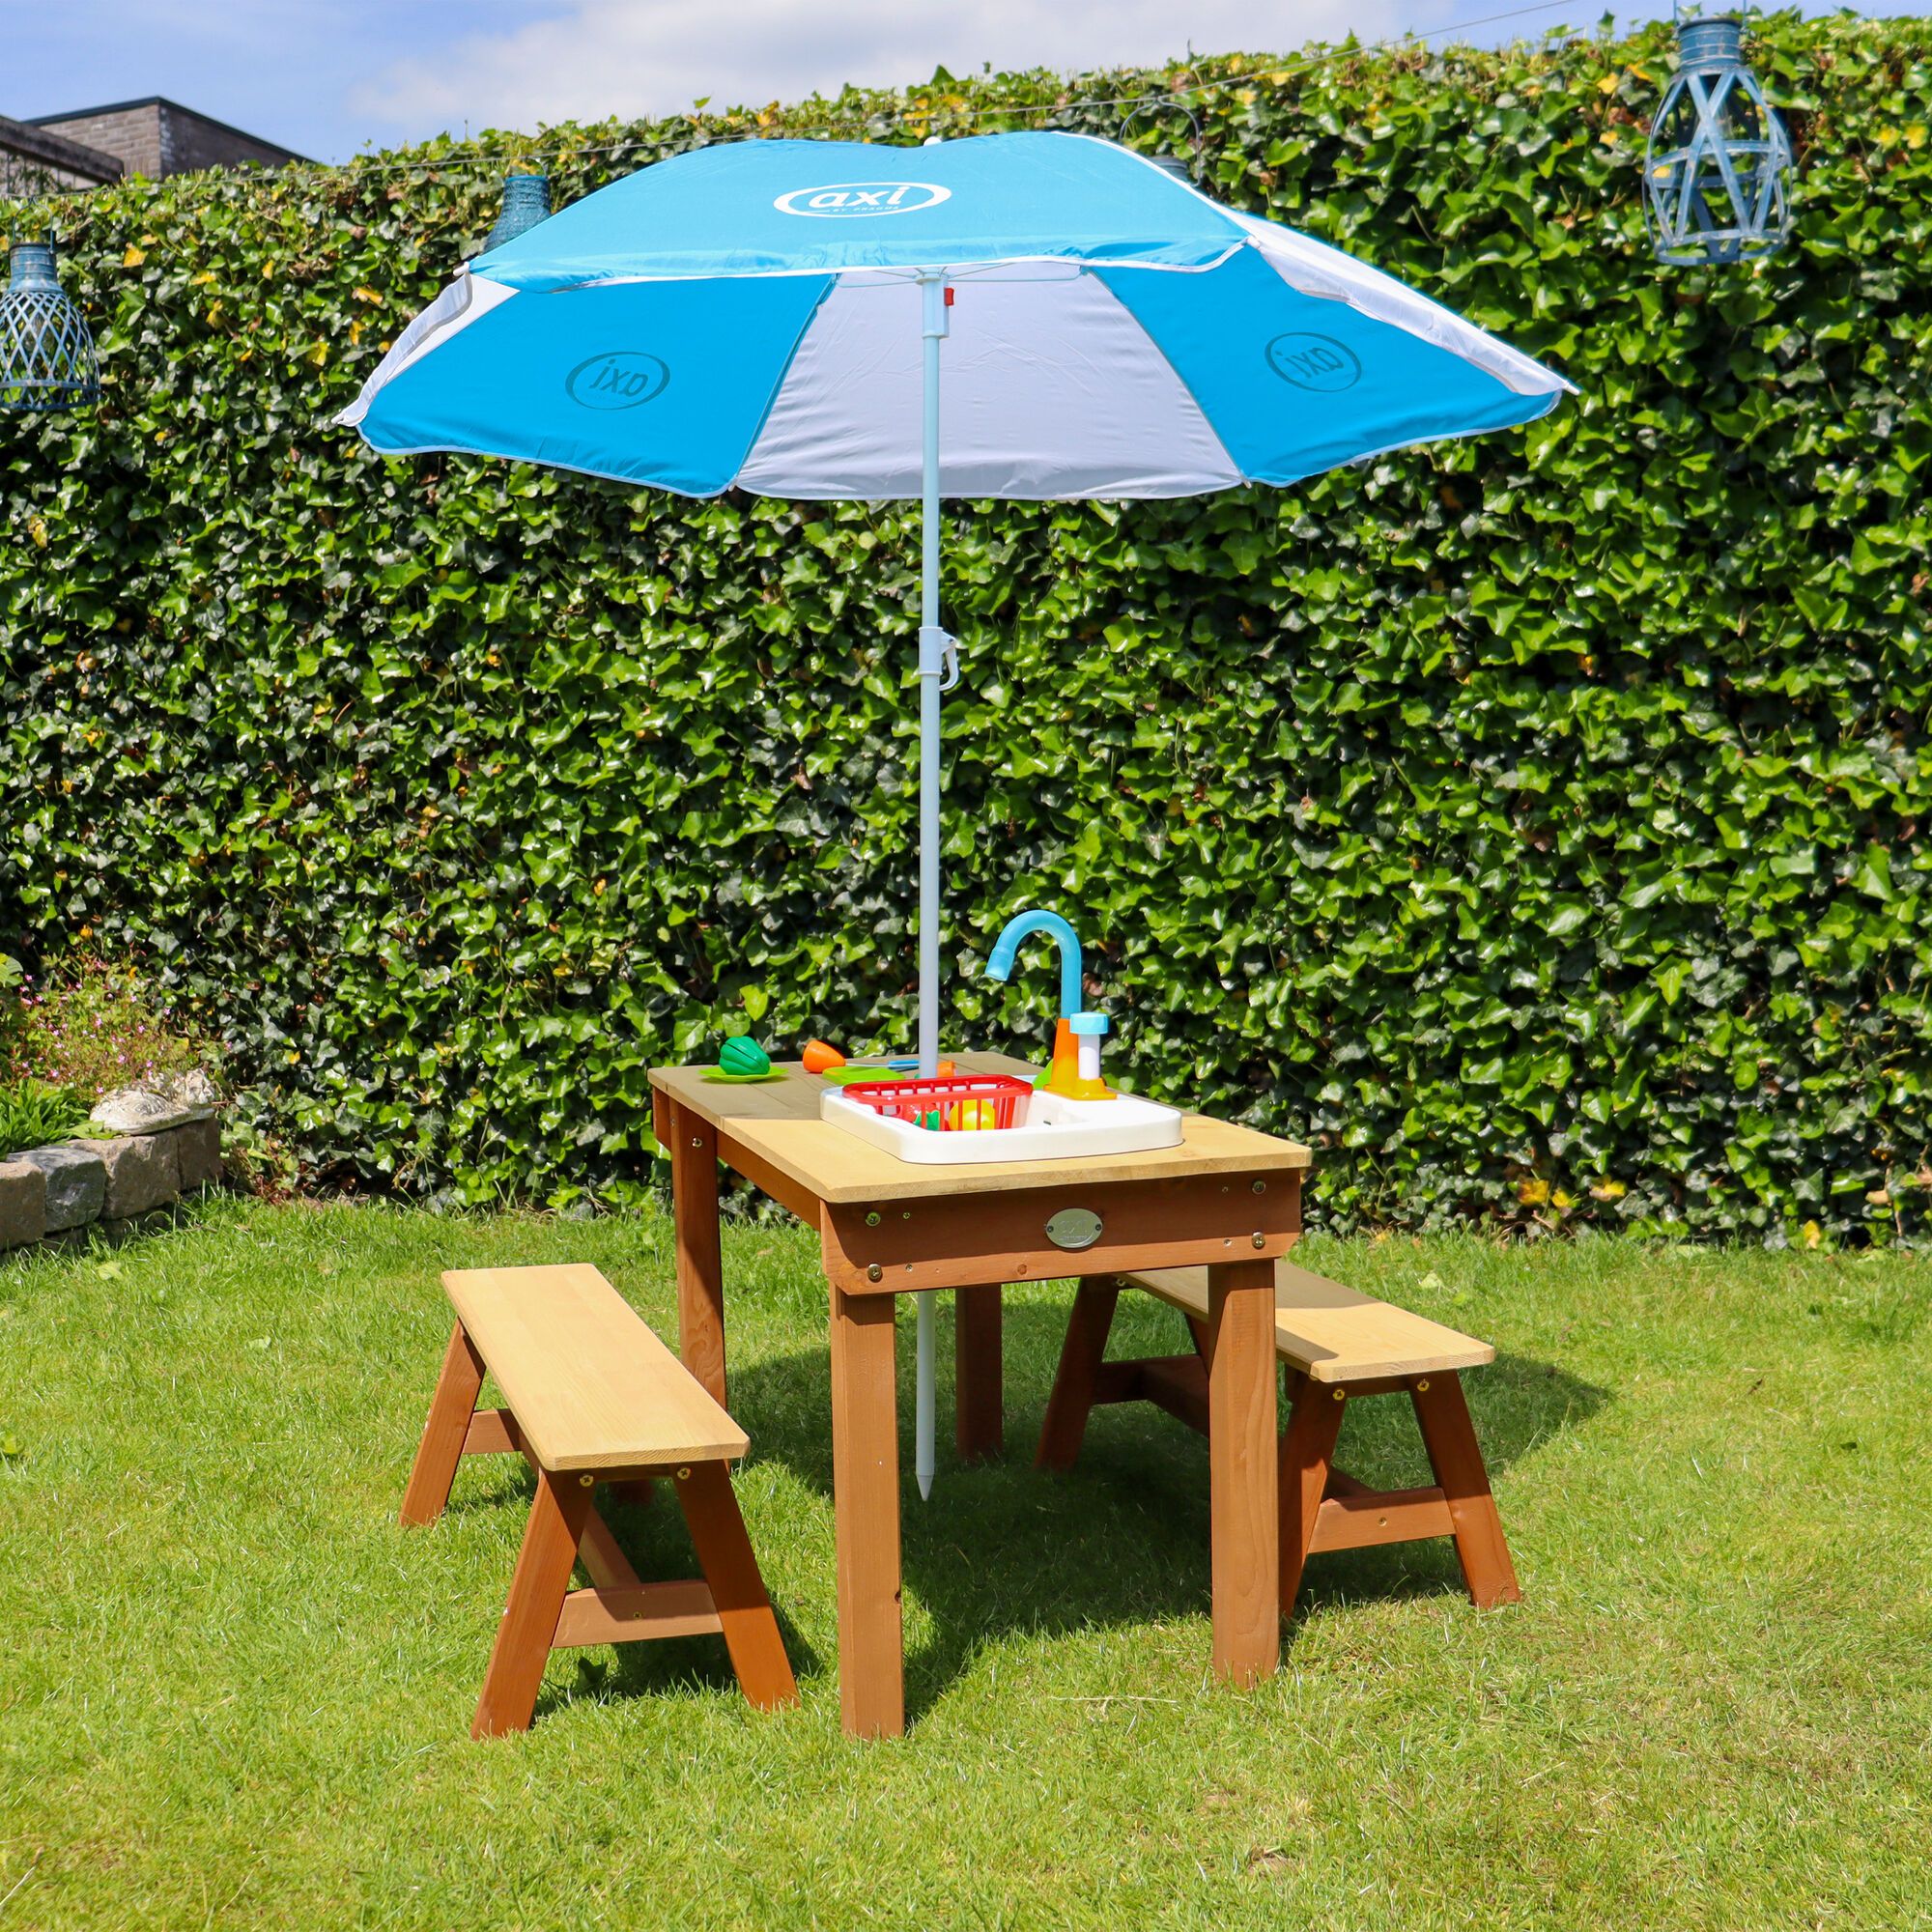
(743, 1056)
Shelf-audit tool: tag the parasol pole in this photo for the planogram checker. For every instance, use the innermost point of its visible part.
(936, 660)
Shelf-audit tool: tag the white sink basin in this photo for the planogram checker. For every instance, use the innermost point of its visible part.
(1051, 1127)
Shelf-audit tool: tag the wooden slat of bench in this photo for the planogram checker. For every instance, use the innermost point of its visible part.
(629, 1613)
(1387, 1515)
(1331, 1333)
(590, 1385)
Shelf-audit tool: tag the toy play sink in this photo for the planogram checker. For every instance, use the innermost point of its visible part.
(1053, 1129)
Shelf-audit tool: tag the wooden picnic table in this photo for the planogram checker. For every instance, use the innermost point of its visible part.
(1227, 1198)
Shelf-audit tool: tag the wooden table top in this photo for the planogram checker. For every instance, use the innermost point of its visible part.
(778, 1119)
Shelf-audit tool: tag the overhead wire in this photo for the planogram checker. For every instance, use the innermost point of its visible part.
(1146, 97)
(1072, 101)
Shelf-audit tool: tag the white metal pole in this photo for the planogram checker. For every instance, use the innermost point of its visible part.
(933, 647)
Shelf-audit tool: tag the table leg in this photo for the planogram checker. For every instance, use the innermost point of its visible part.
(978, 1371)
(866, 1497)
(701, 1271)
(1242, 1452)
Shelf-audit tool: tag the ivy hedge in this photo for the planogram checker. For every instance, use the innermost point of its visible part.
(1535, 824)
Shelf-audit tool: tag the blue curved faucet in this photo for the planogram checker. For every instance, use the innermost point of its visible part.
(1022, 926)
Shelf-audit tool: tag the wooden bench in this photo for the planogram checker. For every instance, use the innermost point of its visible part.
(1337, 1345)
(591, 1394)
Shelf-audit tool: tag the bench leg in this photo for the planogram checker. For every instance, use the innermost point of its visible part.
(1073, 1384)
(978, 1423)
(441, 1446)
(602, 1557)
(537, 1591)
(1449, 1436)
(1307, 1462)
(737, 1590)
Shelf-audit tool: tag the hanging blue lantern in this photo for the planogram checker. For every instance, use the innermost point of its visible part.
(47, 354)
(1152, 108)
(525, 203)
(1717, 167)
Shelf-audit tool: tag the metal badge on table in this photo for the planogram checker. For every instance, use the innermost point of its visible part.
(1074, 1229)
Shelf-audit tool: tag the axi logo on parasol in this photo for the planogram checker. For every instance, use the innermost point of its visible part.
(855, 198)
(1315, 362)
(617, 379)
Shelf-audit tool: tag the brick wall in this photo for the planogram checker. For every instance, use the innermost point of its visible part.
(192, 141)
(132, 136)
(162, 137)
(36, 160)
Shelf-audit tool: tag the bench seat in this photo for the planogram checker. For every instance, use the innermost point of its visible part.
(1334, 1334)
(588, 1381)
(591, 1394)
(1336, 1345)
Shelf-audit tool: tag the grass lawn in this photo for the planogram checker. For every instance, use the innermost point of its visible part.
(233, 1692)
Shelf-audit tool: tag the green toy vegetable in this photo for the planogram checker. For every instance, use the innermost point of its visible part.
(743, 1055)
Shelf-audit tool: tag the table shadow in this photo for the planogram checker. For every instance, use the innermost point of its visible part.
(1121, 1539)
(1003, 1549)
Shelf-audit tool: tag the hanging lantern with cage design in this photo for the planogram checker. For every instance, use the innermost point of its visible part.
(47, 354)
(1175, 152)
(1716, 168)
(525, 203)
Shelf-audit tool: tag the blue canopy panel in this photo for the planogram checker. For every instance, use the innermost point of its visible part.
(1294, 383)
(659, 382)
(762, 208)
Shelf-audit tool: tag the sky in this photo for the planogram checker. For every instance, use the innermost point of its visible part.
(330, 78)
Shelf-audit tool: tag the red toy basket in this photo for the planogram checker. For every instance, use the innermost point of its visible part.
(957, 1103)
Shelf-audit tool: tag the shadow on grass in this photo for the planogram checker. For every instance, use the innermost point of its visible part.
(1003, 1548)
(654, 1538)
(1516, 1403)
(1122, 1538)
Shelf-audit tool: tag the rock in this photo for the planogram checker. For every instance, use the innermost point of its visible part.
(138, 1110)
(23, 1203)
(198, 1153)
(76, 1184)
(143, 1171)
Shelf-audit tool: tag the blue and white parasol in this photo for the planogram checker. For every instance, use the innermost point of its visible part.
(770, 314)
